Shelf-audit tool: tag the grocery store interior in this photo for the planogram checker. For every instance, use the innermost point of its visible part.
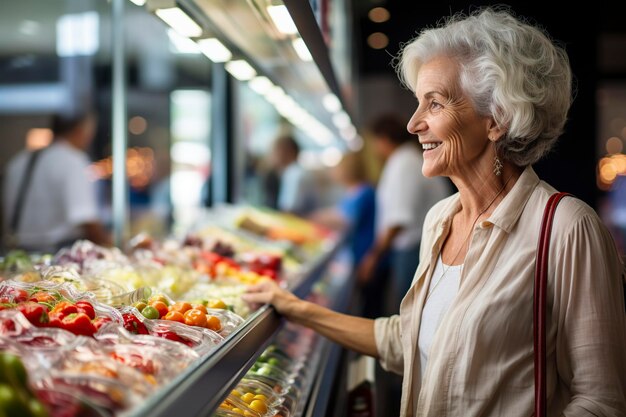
(193, 106)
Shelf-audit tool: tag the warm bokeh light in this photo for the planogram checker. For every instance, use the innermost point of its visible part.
(609, 168)
(377, 40)
(378, 15)
(139, 167)
(137, 125)
(38, 138)
(614, 145)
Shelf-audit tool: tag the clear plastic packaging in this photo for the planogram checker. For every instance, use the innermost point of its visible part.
(256, 387)
(67, 404)
(105, 393)
(199, 339)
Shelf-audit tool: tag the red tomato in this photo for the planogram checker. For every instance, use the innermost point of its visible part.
(161, 307)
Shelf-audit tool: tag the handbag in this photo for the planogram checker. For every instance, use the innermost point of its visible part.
(539, 303)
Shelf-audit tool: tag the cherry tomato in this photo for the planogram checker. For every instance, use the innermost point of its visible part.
(159, 297)
(217, 304)
(195, 317)
(161, 307)
(150, 313)
(200, 307)
(181, 307)
(213, 323)
(175, 316)
(140, 305)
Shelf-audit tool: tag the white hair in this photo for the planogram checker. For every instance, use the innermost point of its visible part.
(509, 69)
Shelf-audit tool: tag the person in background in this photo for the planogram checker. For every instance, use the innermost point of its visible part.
(59, 203)
(404, 196)
(356, 211)
(296, 192)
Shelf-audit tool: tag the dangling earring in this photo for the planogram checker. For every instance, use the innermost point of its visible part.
(497, 164)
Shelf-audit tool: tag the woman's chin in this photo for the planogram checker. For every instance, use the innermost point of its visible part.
(430, 171)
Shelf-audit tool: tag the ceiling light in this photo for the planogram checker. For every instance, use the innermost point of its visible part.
(138, 2)
(378, 15)
(377, 40)
(301, 49)
(282, 19)
(214, 50)
(179, 21)
(341, 120)
(331, 103)
(260, 85)
(78, 34)
(348, 133)
(181, 44)
(331, 156)
(274, 94)
(241, 70)
(356, 144)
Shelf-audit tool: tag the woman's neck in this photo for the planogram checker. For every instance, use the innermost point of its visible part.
(481, 191)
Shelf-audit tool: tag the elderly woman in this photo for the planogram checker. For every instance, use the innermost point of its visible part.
(493, 95)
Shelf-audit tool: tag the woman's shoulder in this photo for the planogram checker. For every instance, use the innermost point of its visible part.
(570, 207)
(572, 215)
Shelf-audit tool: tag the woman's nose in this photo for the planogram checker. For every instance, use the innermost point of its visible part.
(416, 124)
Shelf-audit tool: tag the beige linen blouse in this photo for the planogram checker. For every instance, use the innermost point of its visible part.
(481, 359)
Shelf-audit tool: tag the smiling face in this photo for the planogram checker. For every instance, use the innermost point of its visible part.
(454, 137)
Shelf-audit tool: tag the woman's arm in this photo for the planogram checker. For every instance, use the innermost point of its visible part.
(351, 332)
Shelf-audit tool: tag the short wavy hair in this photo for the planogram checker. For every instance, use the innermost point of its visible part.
(509, 69)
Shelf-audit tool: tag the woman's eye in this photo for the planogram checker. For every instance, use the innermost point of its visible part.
(435, 106)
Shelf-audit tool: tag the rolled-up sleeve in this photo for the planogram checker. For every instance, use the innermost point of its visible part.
(387, 332)
(591, 332)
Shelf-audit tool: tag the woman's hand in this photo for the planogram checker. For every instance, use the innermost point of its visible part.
(351, 332)
(268, 292)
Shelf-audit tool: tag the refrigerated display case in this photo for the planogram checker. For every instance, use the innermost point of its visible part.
(192, 381)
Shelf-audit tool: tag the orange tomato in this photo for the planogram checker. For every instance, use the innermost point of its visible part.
(195, 317)
(180, 306)
(200, 307)
(160, 298)
(213, 323)
(161, 307)
(175, 316)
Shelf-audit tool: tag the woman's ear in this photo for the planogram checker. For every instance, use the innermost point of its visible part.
(494, 131)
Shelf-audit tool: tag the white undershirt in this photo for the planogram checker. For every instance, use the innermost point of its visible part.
(441, 296)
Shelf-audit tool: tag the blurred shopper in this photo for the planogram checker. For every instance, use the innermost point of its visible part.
(404, 196)
(296, 192)
(356, 211)
(49, 200)
(493, 96)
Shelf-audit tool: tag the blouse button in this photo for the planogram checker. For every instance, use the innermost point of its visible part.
(485, 224)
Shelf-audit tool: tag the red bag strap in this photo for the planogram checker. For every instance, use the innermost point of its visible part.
(539, 303)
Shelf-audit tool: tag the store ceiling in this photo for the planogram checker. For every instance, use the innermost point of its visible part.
(407, 18)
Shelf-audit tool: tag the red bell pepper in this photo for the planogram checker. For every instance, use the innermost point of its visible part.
(18, 295)
(34, 312)
(101, 321)
(170, 335)
(87, 308)
(64, 309)
(133, 324)
(79, 324)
